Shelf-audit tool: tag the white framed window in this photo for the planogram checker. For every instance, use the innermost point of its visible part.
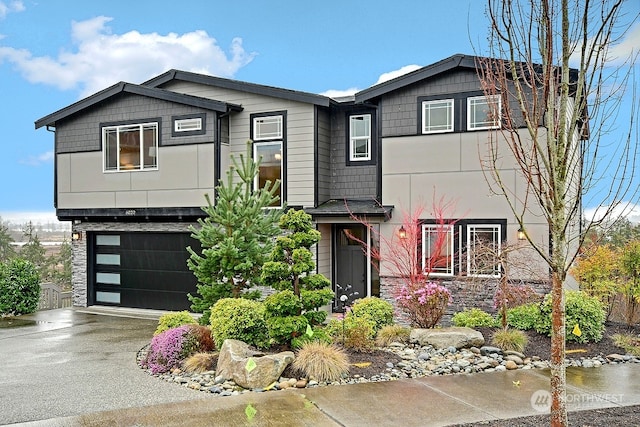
(271, 168)
(438, 249)
(483, 250)
(187, 125)
(360, 137)
(130, 147)
(437, 116)
(267, 127)
(484, 112)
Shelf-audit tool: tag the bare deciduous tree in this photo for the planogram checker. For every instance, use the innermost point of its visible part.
(554, 124)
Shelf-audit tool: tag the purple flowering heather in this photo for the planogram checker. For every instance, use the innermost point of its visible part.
(169, 348)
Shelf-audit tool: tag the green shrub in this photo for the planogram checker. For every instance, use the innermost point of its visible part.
(473, 318)
(392, 333)
(510, 339)
(317, 334)
(240, 319)
(582, 310)
(321, 361)
(173, 320)
(283, 329)
(352, 332)
(523, 317)
(19, 287)
(377, 310)
(283, 303)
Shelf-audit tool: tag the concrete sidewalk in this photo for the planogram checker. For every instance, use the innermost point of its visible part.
(82, 372)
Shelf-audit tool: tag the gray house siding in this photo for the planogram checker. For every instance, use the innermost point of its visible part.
(323, 123)
(81, 133)
(348, 181)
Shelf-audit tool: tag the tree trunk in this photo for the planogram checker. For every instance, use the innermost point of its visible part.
(558, 371)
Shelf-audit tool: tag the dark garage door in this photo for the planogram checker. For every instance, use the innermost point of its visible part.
(144, 270)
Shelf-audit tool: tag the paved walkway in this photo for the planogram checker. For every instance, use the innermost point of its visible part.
(74, 368)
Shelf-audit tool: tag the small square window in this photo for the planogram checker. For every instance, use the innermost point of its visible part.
(437, 116)
(130, 147)
(269, 127)
(484, 112)
(360, 137)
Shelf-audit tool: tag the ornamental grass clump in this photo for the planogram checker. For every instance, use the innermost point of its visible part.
(510, 340)
(321, 361)
(424, 303)
(392, 333)
(200, 362)
(170, 348)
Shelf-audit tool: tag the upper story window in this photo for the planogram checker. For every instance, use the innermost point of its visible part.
(130, 147)
(360, 137)
(269, 136)
(267, 127)
(188, 125)
(437, 116)
(483, 112)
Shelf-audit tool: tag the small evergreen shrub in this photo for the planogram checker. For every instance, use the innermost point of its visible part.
(200, 362)
(510, 339)
(317, 334)
(392, 333)
(173, 320)
(356, 333)
(473, 318)
(283, 329)
(240, 319)
(170, 348)
(321, 361)
(19, 287)
(377, 310)
(523, 317)
(583, 311)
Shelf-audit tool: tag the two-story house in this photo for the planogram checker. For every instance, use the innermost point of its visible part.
(133, 163)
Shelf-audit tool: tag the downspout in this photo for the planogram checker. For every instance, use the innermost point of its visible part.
(52, 129)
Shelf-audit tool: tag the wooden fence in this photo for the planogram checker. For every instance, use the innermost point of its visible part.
(52, 296)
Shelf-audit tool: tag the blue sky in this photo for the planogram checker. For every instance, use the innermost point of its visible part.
(54, 52)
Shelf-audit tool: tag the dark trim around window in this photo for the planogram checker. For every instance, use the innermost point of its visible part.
(374, 138)
(133, 122)
(283, 113)
(459, 109)
(202, 131)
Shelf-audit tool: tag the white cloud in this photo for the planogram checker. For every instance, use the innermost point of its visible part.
(397, 73)
(618, 54)
(624, 209)
(337, 93)
(39, 159)
(101, 58)
(12, 6)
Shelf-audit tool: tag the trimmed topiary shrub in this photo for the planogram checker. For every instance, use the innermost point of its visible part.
(473, 318)
(240, 319)
(585, 317)
(19, 287)
(317, 334)
(377, 310)
(170, 348)
(524, 317)
(173, 320)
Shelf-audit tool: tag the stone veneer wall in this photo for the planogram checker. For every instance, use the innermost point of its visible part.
(464, 295)
(79, 248)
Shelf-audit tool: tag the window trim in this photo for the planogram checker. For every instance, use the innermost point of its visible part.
(451, 238)
(178, 133)
(497, 229)
(451, 111)
(104, 127)
(255, 120)
(353, 139)
(472, 125)
(282, 141)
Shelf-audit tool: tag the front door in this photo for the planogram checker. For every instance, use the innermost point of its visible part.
(350, 264)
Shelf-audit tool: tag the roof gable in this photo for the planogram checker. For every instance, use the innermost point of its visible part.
(276, 92)
(123, 87)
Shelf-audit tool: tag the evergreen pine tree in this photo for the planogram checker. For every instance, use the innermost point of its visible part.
(236, 236)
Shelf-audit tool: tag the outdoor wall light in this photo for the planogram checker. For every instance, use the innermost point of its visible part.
(402, 233)
(76, 236)
(521, 235)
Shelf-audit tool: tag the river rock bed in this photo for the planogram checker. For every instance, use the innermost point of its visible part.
(415, 361)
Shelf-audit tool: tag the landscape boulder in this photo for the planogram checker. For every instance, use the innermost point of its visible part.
(457, 337)
(248, 368)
